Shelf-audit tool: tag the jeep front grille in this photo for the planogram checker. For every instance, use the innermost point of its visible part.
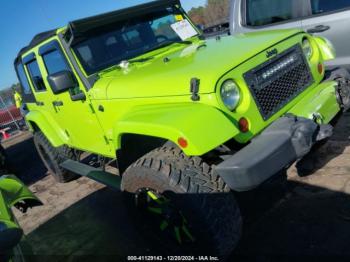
(278, 81)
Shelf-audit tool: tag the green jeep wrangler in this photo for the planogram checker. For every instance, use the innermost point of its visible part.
(190, 121)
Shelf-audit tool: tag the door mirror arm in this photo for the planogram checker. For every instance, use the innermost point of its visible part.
(80, 96)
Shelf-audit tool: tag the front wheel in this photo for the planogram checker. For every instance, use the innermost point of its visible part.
(183, 202)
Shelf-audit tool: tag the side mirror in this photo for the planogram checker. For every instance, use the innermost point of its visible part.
(62, 81)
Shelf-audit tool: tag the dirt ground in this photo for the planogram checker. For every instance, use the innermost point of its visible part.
(302, 218)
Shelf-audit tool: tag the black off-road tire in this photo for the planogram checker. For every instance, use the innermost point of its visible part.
(202, 196)
(52, 157)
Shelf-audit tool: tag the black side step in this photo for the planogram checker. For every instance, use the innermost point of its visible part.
(93, 173)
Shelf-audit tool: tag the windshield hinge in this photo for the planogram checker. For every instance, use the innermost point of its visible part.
(92, 109)
(195, 82)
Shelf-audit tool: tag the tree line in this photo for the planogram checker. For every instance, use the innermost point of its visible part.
(214, 12)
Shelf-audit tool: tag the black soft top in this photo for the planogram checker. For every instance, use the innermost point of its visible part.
(39, 38)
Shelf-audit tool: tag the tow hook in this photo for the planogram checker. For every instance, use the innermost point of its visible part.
(343, 93)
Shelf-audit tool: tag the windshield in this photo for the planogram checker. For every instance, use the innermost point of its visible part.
(131, 38)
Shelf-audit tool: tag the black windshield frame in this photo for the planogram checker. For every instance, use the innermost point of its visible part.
(123, 27)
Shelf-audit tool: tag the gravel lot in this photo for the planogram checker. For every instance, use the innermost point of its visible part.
(301, 218)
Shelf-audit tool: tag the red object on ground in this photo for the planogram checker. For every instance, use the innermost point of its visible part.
(5, 135)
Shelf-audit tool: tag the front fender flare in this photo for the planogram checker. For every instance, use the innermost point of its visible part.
(203, 126)
(326, 48)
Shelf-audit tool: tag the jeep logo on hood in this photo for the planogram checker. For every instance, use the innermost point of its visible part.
(272, 52)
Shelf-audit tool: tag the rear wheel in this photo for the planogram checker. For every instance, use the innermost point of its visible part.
(52, 157)
(183, 202)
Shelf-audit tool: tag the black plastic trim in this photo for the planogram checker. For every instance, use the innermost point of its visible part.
(286, 140)
(82, 26)
(28, 58)
(26, 98)
(49, 47)
(39, 38)
(74, 63)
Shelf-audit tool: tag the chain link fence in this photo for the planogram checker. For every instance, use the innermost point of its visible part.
(11, 120)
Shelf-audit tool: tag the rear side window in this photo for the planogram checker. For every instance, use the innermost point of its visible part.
(323, 6)
(55, 62)
(35, 75)
(266, 12)
(23, 79)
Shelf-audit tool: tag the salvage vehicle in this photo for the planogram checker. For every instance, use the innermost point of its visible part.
(325, 18)
(188, 120)
(13, 193)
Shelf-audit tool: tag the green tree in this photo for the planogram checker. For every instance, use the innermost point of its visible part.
(197, 15)
(213, 13)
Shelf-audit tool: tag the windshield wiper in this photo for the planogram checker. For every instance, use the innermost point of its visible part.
(125, 64)
(165, 44)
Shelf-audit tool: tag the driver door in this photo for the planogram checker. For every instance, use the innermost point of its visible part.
(77, 118)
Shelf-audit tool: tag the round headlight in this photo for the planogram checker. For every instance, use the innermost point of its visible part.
(230, 94)
(307, 48)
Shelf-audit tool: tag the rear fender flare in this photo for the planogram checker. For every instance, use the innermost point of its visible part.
(51, 130)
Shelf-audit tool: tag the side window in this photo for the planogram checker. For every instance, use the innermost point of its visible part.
(55, 62)
(266, 12)
(35, 75)
(23, 79)
(323, 6)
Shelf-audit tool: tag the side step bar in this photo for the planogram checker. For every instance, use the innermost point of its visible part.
(93, 173)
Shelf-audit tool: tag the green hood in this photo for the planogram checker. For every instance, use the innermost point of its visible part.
(209, 63)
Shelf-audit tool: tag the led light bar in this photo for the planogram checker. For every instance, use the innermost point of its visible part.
(276, 68)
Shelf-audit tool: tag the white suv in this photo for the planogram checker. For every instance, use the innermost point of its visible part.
(330, 19)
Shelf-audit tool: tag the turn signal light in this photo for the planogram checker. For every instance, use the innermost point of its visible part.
(182, 142)
(243, 125)
(320, 68)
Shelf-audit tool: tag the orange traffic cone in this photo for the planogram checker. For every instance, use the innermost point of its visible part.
(6, 135)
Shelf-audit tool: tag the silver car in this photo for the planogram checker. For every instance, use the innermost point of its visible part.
(327, 18)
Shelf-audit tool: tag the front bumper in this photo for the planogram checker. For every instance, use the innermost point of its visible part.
(282, 143)
(288, 138)
(276, 148)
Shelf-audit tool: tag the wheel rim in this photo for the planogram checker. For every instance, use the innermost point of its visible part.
(171, 221)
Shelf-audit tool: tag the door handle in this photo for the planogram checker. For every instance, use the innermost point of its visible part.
(318, 29)
(38, 103)
(57, 103)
